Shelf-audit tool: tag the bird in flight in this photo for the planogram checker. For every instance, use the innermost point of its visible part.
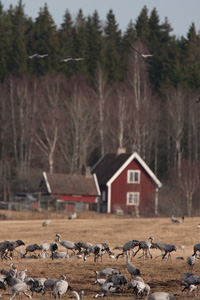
(37, 56)
(141, 54)
(71, 59)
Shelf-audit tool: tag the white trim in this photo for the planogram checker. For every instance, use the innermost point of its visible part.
(47, 183)
(97, 184)
(135, 155)
(109, 199)
(156, 201)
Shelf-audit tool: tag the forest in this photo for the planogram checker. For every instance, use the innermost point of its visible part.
(88, 92)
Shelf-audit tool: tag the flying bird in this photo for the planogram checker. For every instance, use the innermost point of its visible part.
(141, 54)
(66, 59)
(71, 59)
(37, 56)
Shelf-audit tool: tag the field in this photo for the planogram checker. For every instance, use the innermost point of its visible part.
(161, 275)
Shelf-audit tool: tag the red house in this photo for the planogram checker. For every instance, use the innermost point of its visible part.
(127, 184)
(71, 189)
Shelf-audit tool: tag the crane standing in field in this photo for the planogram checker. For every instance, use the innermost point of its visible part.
(60, 287)
(128, 247)
(133, 270)
(145, 246)
(68, 244)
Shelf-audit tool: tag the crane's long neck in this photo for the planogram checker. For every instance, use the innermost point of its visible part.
(76, 295)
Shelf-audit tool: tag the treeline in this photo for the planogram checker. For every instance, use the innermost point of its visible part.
(63, 116)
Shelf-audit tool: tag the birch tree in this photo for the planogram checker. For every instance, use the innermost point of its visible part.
(189, 182)
(46, 136)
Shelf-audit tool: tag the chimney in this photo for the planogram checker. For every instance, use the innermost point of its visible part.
(88, 172)
(121, 150)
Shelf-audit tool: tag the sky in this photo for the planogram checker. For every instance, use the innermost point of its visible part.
(180, 13)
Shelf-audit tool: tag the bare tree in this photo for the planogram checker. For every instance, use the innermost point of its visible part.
(79, 126)
(22, 122)
(102, 93)
(46, 136)
(144, 112)
(189, 181)
(119, 115)
(175, 108)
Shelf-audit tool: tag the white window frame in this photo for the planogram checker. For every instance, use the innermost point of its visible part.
(132, 198)
(133, 172)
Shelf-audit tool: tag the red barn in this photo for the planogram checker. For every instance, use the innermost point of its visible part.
(127, 184)
(71, 189)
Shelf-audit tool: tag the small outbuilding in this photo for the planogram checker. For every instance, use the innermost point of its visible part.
(72, 191)
(127, 184)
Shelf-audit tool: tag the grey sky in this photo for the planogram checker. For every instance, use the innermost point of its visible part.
(180, 13)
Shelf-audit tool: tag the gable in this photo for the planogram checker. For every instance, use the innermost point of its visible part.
(111, 166)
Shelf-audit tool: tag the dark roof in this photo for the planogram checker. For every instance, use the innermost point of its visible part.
(67, 184)
(108, 165)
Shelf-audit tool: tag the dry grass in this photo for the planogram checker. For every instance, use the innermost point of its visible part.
(161, 275)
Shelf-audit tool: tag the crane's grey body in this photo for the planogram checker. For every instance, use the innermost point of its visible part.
(128, 247)
(31, 248)
(161, 296)
(118, 281)
(67, 244)
(99, 250)
(57, 255)
(174, 220)
(191, 261)
(21, 287)
(49, 283)
(196, 249)
(133, 270)
(106, 289)
(107, 272)
(145, 246)
(190, 279)
(138, 286)
(60, 287)
(165, 249)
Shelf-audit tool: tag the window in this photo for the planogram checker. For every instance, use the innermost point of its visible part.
(133, 198)
(133, 176)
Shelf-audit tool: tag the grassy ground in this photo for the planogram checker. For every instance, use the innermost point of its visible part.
(161, 275)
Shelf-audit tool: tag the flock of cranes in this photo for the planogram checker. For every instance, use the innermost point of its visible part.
(109, 279)
(62, 60)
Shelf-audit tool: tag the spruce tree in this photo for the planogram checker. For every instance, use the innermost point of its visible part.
(94, 47)
(66, 49)
(45, 42)
(17, 55)
(142, 25)
(192, 59)
(113, 48)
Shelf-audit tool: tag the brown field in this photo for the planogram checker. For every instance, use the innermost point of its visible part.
(161, 275)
